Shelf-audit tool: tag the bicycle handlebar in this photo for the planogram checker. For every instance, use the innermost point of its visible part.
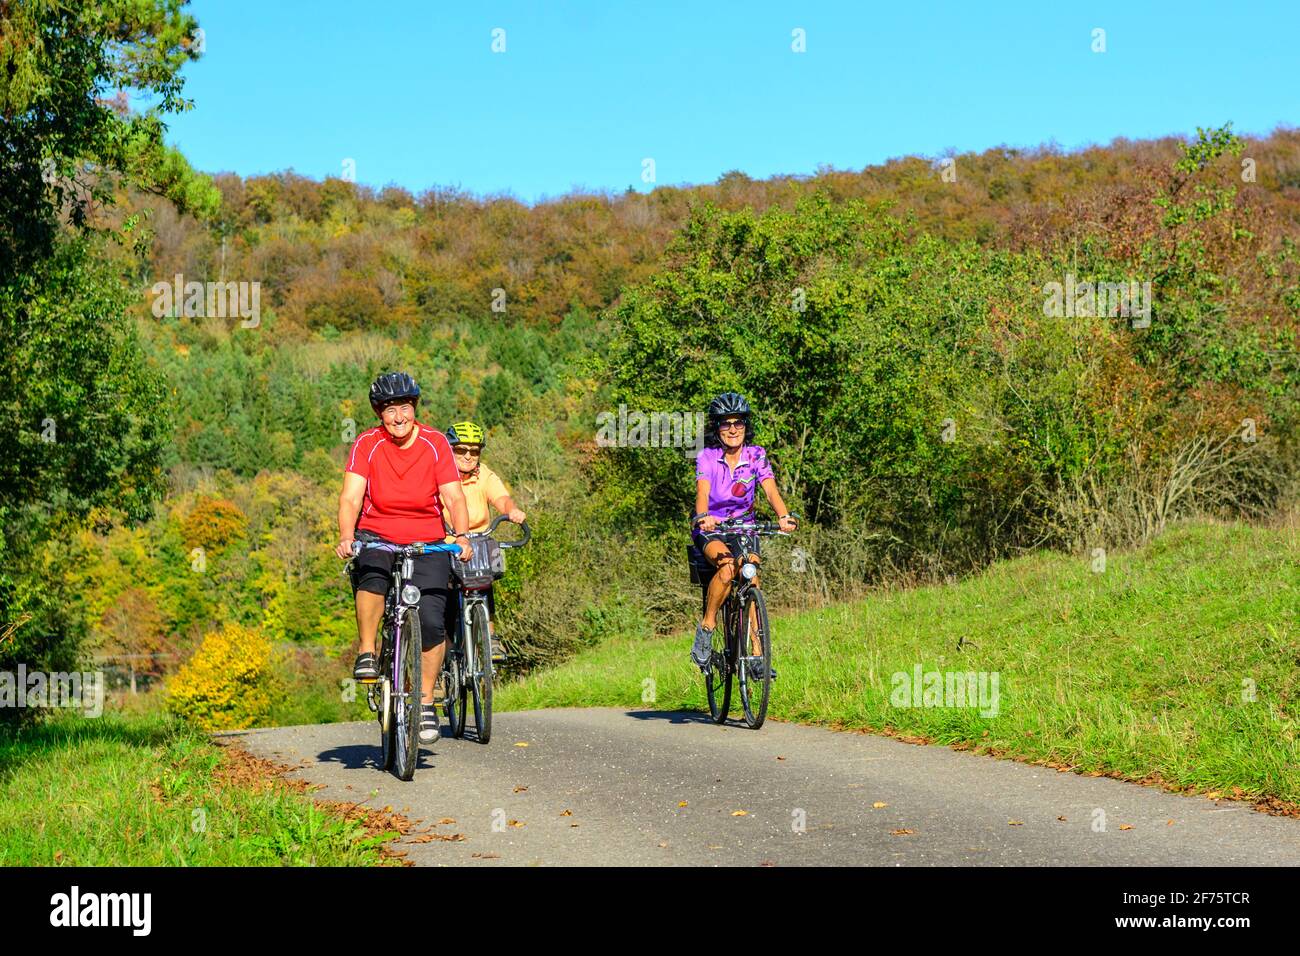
(508, 544)
(405, 550)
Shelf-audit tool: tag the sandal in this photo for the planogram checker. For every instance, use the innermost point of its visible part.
(429, 731)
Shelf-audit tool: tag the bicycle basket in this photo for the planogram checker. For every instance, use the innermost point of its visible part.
(487, 564)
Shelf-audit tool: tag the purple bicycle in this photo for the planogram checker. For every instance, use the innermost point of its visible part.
(395, 696)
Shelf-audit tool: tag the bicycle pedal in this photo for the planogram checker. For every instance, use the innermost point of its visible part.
(367, 680)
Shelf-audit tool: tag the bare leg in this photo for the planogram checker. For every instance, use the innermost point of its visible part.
(370, 611)
(717, 554)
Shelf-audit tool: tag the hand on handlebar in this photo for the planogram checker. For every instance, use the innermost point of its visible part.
(708, 523)
(344, 549)
(516, 516)
(466, 550)
(788, 523)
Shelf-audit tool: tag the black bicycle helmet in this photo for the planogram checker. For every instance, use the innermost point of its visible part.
(729, 403)
(392, 386)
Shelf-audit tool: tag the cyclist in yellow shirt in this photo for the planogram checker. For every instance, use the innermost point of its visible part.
(483, 486)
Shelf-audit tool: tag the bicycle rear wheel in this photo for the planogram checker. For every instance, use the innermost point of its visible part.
(478, 659)
(453, 684)
(406, 698)
(717, 677)
(754, 691)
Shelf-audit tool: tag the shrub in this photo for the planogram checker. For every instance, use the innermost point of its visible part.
(229, 683)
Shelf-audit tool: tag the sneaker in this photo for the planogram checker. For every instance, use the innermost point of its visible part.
(366, 669)
(428, 723)
(498, 649)
(703, 648)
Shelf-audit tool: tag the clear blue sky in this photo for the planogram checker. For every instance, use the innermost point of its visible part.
(412, 92)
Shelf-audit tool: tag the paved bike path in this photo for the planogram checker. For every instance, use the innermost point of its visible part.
(606, 786)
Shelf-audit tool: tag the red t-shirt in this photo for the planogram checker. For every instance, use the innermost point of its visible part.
(402, 504)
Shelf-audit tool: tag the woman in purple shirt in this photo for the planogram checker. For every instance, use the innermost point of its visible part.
(727, 473)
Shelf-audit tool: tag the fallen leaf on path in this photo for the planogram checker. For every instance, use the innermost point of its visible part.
(520, 743)
(486, 856)
(767, 863)
(514, 823)
(446, 820)
(903, 832)
(1015, 823)
(879, 805)
(740, 813)
(566, 813)
(1126, 826)
(520, 789)
(1062, 819)
(682, 804)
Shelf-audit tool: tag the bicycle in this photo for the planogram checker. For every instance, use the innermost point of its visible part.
(395, 695)
(744, 625)
(467, 670)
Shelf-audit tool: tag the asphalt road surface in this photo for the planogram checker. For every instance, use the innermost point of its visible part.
(605, 786)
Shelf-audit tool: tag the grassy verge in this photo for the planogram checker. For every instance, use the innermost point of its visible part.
(141, 790)
(1177, 664)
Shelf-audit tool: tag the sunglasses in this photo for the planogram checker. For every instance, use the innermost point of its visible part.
(474, 451)
(731, 424)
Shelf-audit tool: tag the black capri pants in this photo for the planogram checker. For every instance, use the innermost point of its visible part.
(372, 571)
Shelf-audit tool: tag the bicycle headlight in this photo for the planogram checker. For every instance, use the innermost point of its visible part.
(410, 594)
(748, 570)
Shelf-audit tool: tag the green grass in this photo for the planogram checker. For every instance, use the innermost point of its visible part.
(143, 790)
(1144, 670)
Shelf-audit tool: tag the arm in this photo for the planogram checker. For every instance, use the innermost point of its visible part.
(350, 498)
(708, 522)
(506, 505)
(453, 501)
(778, 505)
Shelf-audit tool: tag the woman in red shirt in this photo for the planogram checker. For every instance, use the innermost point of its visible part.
(399, 481)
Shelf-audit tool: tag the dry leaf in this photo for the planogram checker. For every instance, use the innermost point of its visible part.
(1170, 823)
(446, 820)
(486, 856)
(740, 813)
(1062, 819)
(902, 832)
(1015, 823)
(520, 743)
(566, 813)
(520, 789)
(879, 805)
(514, 823)
(1126, 826)
(767, 863)
(682, 804)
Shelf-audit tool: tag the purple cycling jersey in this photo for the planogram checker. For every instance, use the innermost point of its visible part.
(731, 493)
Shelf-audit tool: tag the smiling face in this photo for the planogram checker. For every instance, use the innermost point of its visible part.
(731, 430)
(467, 457)
(398, 419)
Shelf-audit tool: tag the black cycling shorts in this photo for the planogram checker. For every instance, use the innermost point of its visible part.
(372, 571)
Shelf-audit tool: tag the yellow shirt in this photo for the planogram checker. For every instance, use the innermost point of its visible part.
(481, 488)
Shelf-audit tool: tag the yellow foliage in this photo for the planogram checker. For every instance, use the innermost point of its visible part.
(229, 683)
(213, 524)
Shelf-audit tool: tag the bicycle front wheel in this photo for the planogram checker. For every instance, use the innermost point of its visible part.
(479, 667)
(755, 661)
(406, 697)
